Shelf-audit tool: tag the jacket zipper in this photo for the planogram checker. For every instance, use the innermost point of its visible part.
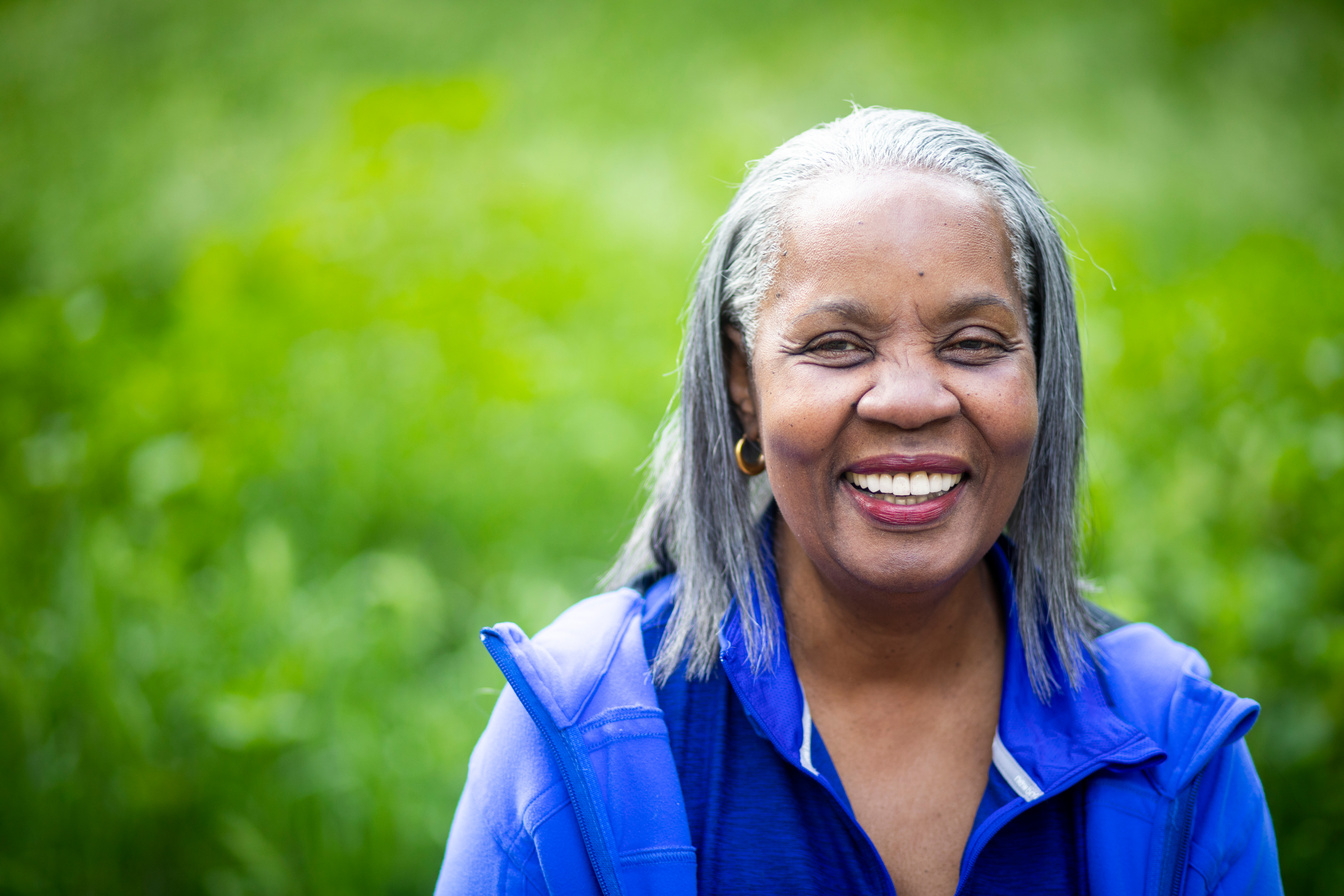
(572, 768)
(987, 835)
(855, 828)
(1174, 860)
(988, 832)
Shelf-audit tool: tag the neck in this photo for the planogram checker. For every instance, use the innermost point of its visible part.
(921, 641)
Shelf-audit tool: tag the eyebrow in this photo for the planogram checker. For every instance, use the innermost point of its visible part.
(963, 307)
(852, 309)
(863, 314)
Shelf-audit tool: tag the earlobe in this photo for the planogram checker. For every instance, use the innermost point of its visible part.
(740, 390)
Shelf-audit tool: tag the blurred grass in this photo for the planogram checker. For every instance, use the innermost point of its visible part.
(331, 332)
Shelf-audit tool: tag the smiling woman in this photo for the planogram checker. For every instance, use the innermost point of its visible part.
(872, 670)
(894, 342)
(892, 387)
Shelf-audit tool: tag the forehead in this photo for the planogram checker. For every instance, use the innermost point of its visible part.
(889, 226)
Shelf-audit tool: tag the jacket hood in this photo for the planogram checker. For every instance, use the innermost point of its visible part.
(1162, 687)
(589, 660)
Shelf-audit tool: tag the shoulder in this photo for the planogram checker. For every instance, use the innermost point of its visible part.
(583, 665)
(1233, 848)
(589, 658)
(578, 723)
(515, 796)
(1162, 687)
(512, 792)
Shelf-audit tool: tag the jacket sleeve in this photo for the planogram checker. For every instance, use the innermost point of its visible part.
(514, 832)
(488, 850)
(1233, 851)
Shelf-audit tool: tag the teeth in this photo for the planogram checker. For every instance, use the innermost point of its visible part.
(905, 488)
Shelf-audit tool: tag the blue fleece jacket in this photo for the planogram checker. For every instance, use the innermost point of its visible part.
(573, 788)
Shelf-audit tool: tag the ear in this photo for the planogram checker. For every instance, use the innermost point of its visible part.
(740, 388)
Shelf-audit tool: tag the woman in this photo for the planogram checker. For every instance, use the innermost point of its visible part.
(850, 691)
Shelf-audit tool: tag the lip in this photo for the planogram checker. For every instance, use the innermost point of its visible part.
(909, 514)
(910, 463)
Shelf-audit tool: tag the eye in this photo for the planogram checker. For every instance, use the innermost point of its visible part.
(835, 345)
(840, 349)
(978, 347)
(973, 345)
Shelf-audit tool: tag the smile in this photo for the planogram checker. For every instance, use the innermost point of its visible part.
(905, 488)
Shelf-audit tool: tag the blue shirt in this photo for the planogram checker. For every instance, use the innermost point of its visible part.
(762, 822)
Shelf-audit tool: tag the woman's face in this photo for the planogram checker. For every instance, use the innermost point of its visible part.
(892, 385)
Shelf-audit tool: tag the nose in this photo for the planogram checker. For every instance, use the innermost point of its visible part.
(907, 395)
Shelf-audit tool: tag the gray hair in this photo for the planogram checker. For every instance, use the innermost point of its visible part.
(701, 519)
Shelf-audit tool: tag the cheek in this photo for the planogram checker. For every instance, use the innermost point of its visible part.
(1014, 417)
(1004, 409)
(801, 413)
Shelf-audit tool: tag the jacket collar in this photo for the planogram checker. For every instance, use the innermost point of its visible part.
(1077, 731)
(1054, 744)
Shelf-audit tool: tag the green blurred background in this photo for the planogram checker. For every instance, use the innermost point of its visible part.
(330, 332)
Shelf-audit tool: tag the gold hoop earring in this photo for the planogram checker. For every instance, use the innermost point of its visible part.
(750, 469)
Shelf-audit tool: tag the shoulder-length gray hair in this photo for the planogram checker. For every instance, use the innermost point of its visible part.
(702, 513)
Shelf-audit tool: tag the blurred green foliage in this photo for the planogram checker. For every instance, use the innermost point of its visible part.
(331, 332)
